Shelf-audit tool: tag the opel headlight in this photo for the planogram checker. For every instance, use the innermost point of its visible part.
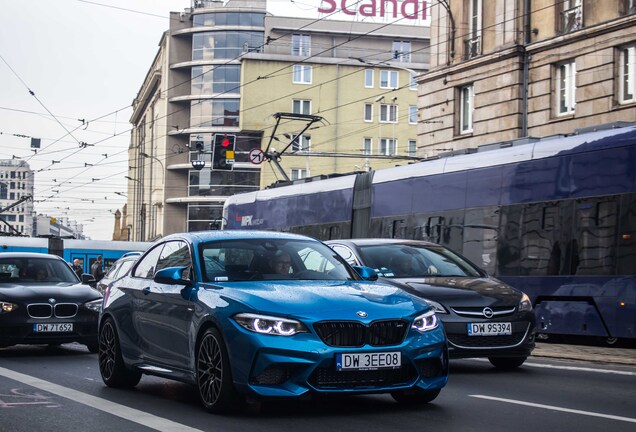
(95, 305)
(426, 322)
(6, 307)
(525, 305)
(269, 325)
(437, 307)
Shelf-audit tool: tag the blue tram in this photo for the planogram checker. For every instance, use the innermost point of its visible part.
(554, 217)
(86, 251)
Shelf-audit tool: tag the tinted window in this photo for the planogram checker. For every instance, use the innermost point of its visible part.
(174, 254)
(35, 270)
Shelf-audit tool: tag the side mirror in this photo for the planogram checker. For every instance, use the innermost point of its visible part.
(366, 273)
(172, 276)
(89, 279)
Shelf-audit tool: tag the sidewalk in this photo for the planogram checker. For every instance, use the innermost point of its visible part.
(625, 356)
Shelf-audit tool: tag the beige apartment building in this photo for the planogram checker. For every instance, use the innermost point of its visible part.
(306, 97)
(507, 69)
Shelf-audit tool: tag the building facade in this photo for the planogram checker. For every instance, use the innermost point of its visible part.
(16, 192)
(507, 69)
(302, 96)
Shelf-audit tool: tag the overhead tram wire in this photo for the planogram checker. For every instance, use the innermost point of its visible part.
(320, 19)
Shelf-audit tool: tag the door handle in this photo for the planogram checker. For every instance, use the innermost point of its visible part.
(146, 290)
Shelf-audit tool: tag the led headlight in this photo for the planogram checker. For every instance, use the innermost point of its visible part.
(269, 325)
(6, 307)
(426, 322)
(525, 305)
(95, 305)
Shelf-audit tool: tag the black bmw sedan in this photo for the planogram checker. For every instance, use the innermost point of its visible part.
(482, 316)
(42, 301)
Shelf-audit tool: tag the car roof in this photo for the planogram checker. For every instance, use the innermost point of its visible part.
(28, 255)
(205, 236)
(382, 241)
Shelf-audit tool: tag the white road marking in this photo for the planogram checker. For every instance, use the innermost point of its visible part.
(583, 369)
(555, 408)
(131, 414)
(572, 368)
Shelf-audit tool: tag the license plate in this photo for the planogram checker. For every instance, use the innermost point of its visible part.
(490, 329)
(53, 327)
(369, 361)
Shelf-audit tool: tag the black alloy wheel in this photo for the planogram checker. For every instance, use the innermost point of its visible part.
(214, 379)
(111, 364)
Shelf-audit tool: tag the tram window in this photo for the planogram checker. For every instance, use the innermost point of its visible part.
(508, 244)
(480, 237)
(596, 227)
(626, 255)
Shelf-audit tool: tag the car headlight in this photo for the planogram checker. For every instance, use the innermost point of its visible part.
(426, 322)
(269, 325)
(525, 305)
(95, 305)
(6, 307)
(437, 307)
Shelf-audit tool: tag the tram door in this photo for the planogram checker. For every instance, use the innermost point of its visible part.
(86, 259)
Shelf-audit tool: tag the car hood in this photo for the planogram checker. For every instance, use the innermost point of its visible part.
(77, 293)
(317, 299)
(461, 291)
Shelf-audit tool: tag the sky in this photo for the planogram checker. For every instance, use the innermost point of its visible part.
(69, 71)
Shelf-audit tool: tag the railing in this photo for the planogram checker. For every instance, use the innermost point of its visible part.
(200, 4)
(472, 47)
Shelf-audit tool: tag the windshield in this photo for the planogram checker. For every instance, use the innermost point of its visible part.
(254, 259)
(405, 261)
(35, 270)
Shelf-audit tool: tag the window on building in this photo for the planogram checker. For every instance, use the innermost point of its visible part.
(301, 106)
(412, 114)
(388, 146)
(628, 7)
(301, 45)
(472, 45)
(388, 113)
(627, 74)
(367, 145)
(570, 16)
(299, 173)
(466, 106)
(411, 149)
(301, 142)
(368, 112)
(301, 74)
(402, 51)
(412, 82)
(388, 79)
(3, 190)
(566, 87)
(207, 80)
(368, 78)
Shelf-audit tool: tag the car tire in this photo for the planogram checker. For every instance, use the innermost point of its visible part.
(415, 396)
(507, 363)
(214, 378)
(111, 364)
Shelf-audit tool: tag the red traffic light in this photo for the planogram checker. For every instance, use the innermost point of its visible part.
(225, 142)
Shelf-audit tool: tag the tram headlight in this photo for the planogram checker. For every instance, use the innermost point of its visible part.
(525, 305)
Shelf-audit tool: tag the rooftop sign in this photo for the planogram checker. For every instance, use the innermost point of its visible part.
(397, 9)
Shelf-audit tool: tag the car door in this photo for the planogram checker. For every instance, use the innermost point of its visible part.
(163, 314)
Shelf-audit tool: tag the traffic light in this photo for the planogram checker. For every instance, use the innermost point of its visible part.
(223, 153)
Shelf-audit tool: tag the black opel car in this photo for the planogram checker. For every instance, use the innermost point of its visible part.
(482, 316)
(42, 301)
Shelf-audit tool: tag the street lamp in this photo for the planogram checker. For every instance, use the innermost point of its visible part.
(132, 179)
(163, 175)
